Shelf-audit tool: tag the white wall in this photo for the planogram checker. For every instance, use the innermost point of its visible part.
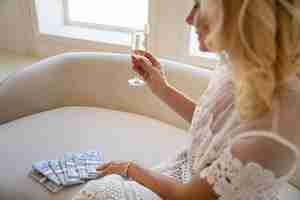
(18, 31)
(169, 33)
(15, 26)
(171, 28)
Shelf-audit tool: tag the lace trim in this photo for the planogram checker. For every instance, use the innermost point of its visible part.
(177, 166)
(276, 137)
(109, 187)
(231, 179)
(209, 149)
(213, 98)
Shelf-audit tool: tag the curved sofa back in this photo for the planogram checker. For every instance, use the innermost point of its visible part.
(95, 80)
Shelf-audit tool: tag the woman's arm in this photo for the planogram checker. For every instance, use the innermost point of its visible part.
(148, 66)
(164, 186)
(178, 102)
(168, 188)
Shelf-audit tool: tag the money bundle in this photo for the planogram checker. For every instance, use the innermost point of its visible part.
(74, 168)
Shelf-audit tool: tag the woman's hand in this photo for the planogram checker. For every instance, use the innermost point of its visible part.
(112, 167)
(149, 69)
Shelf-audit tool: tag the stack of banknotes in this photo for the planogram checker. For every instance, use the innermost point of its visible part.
(74, 168)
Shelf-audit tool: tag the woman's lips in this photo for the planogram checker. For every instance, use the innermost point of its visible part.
(199, 38)
(199, 35)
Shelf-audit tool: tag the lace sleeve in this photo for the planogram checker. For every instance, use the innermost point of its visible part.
(253, 166)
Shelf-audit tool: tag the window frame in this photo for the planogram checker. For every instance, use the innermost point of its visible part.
(169, 35)
(69, 22)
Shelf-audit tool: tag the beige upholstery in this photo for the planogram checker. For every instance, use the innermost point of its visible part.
(88, 104)
(50, 134)
(97, 80)
(93, 79)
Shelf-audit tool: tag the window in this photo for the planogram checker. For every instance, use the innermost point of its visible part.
(79, 25)
(194, 50)
(194, 47)
(116, 15)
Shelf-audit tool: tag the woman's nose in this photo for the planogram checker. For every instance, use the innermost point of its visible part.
(190, 18)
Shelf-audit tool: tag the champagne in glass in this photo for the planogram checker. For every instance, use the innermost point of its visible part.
(138, 41)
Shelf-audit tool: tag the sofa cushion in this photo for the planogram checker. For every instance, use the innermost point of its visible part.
(48, 135)
(119, 135)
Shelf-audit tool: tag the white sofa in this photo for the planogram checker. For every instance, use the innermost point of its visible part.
(80, 101)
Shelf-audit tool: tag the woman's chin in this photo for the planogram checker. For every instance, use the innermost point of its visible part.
(203, 48)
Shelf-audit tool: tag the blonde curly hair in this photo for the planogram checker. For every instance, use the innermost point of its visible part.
(262, 40)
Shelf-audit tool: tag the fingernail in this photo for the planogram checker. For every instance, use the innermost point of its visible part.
(99, 172)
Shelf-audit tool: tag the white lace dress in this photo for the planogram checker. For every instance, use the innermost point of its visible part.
(249, 172)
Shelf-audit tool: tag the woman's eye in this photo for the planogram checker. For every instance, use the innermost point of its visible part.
(196, 6)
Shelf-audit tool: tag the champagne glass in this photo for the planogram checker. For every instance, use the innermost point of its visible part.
(138, 41)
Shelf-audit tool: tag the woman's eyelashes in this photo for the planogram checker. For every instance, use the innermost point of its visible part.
(196, 5)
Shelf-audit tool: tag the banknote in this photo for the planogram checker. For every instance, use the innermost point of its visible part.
(62, 165)
(71, 172)
(80, 161)
(44, 181)
(93, 159)
(55, 166)
(39, 177)
(51, 186)
(44, 168)
(74, 168)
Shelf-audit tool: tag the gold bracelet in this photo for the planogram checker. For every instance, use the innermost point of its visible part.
(125, 172)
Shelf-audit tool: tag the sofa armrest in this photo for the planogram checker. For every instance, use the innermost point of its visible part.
(95, 80)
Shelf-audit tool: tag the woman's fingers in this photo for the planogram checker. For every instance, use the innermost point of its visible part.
(143, 63)
(138, 70)
(141, 72)
(134, 59)
(136, 66)
(103, 172)
(152, 59)
(139, 52)
(148, 55)
(102, 166)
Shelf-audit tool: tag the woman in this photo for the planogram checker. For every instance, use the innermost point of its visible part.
(244, 124)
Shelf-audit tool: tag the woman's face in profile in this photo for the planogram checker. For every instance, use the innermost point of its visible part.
(198, 18)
